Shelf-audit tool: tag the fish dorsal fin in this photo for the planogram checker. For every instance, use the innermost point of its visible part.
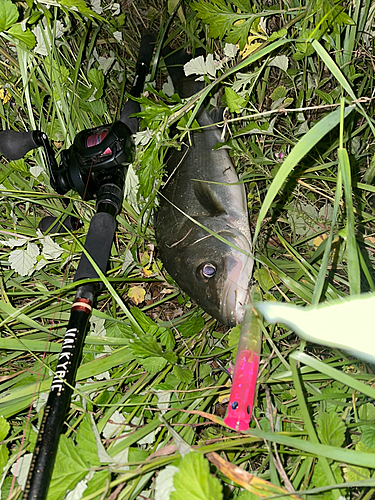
(208, 198)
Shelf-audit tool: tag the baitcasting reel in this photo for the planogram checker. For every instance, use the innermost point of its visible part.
(97, 156)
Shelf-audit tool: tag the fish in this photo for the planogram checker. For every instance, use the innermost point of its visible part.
(203, 191)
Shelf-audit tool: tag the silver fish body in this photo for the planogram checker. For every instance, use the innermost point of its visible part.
(204, 188)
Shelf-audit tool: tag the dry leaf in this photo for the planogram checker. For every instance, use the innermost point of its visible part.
(137, 294)
(254, 484)
(146, 271)
(319, 239)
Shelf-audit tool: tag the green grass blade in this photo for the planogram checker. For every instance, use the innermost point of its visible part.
(308, 141)
(335, 374)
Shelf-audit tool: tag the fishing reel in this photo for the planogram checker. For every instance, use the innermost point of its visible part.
(96, 156)
(95, 165)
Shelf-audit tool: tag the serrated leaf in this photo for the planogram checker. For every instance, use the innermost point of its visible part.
(77, 492)
(69, 469)
(118, 330)
(164, 398)
(367, 412)
(146, 346)
(199, 66)
(51, 250)
(281, 62)
(183, 374)
(361, 447)
(85, 439)
(12, 242)
(192, 326)
(145, 322)
(8, 14)
(20, 469)
(137, 294)
(234, 101)
(277, 34)
(138, 455)
(230, 50)
(354, 473)
(23, 261)
(167, 339)
(278, 93)
(96, 77)
(200, 484)
(153, 364)
(368, 436)
(114, 425)
(164, 483)
(96, 6)
(27, 37)
(331, 429)
(81, 6)
(319, 478)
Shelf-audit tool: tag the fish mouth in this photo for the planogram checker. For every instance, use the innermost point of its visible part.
(235, 296)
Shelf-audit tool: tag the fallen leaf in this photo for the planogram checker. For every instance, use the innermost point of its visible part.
(319, 240)
(137, 294)
(146, 271)
(256, 485)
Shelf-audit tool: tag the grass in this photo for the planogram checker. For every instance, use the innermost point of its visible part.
(302, 141)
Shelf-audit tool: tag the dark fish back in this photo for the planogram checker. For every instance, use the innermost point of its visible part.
(184, 86)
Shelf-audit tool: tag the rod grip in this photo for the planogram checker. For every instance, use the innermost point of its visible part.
(14, 145)
(58, 401)
(98, 244)
(146, 50)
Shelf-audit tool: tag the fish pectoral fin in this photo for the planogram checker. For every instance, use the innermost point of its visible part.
(208, 198)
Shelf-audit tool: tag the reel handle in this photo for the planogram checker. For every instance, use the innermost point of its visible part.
(14, 145)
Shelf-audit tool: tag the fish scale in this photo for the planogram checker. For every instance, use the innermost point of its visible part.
(203, 185)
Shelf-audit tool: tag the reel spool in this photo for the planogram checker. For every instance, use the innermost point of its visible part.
(96, 156)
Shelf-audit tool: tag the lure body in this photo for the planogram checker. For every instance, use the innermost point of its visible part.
(243, 390)
(245, 374)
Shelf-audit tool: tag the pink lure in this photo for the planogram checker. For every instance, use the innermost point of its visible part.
(243, 390)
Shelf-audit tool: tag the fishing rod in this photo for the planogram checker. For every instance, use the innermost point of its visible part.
(95, 166)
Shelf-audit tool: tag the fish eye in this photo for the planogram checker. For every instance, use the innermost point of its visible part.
(206, 271)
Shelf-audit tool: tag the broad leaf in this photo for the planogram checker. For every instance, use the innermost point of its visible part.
(23, 261)
(194, 481)
(368, 436)
(27, 37)
(192, 326)
(164, 483)
(70, 468)
(331, 429)
(86, 442)
(8, 14)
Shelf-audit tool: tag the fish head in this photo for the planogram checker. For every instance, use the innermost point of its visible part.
(213, 272)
